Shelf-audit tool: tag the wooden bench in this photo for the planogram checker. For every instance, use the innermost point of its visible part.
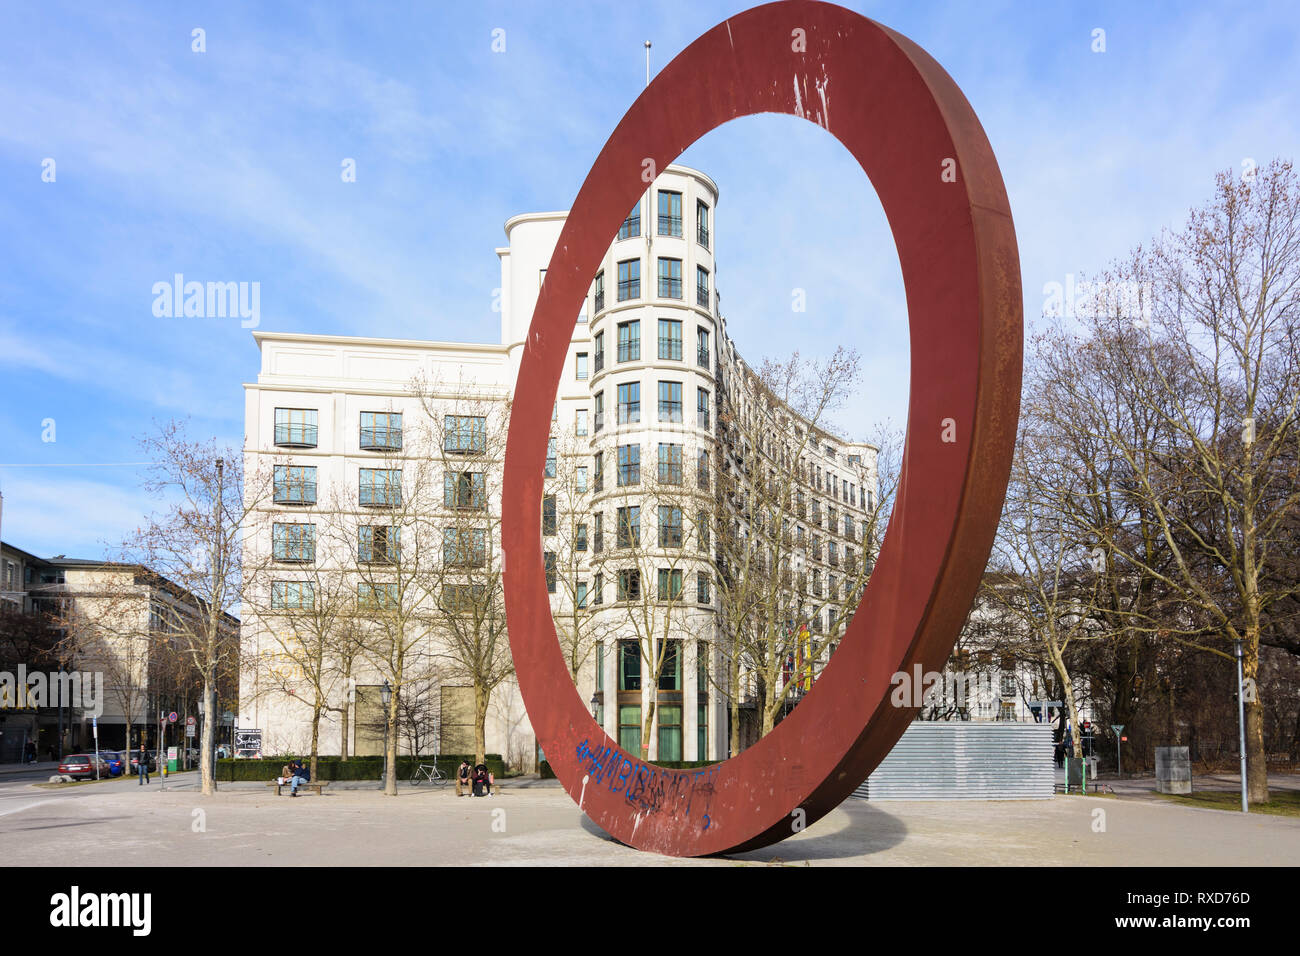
(317, 785)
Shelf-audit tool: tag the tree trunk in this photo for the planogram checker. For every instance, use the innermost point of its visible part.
(390, 746)
(344, 731)
(481, 697)
(207, 770)
(645, 729)
(315, 735)
(1256, 758)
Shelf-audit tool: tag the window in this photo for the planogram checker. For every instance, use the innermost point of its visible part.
(629, 341)
(464, 547)
(580, 365)
(295, 427)
(598, 539)
(293, 542)
(550, 458)
(670, 339)
(670, 585)
(548, 562)
(629, 726)
(702, 526)
(600, 351)
(670, 731)
(381, 488)
(598, 466)
(833, 554)
(580, 422)
(670, 401)
(702, 348)
(381, 431)
(855, 459)
(598, 597)
(600, 665)
(382, 597)
(702, 408)
(599, 417)
(548, 516)
(702, 469)
(463, 598)
(702, 730)
(464, 490)
(599, 292)
(670, 213)
(378, 544)
(293, 595)
(295, 484)
(702, 589)
(670, 464)
(580, 537)
(848, 526)
(631, 227)
(629, 589)
(629, 465)
(580, 479)
(670, 278)
(580, 594)
(465, 434)
(629, 527)
(670, 526)
(629, 403)
(629, 279)
(702, 225)
(702, 287)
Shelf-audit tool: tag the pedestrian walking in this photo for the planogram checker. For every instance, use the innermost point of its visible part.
(143, 765)
(31, 751)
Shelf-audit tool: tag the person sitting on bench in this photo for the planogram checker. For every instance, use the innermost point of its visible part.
(301, 775)
(482, 781)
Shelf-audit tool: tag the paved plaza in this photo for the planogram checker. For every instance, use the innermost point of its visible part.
(119, 823)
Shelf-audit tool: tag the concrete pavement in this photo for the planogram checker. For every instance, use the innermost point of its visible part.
(120, 823)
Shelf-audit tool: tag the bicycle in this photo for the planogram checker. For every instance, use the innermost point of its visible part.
(429, 772)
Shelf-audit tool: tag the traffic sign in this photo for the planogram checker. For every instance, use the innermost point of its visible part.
(171, 718)
(1118, 728)
(190, 721)
(189, 730)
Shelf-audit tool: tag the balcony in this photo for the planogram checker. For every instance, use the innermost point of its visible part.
(381, 439)
(702, 359)
(380, 497)
(600, 301)
(600, 360)
(702, 297)
(295, 436)
(295, 493)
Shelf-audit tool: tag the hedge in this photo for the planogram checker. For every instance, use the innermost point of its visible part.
(544, 768)
(354, 768)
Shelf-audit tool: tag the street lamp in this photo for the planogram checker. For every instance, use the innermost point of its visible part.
(386, 695)
(595, 702)
(1241, 724)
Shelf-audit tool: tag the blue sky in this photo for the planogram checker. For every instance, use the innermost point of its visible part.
(225, 166)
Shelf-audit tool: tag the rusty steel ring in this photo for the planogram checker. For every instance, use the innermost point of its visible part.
(921, 145)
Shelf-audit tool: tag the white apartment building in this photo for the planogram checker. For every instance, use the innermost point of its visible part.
(640, 438)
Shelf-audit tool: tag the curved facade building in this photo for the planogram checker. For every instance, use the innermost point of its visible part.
(640, 446)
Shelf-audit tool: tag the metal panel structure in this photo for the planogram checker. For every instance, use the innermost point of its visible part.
(962, 760)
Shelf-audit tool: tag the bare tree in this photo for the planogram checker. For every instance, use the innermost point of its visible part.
(195, 545)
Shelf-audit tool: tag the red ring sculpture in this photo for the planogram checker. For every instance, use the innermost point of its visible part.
(919, 142)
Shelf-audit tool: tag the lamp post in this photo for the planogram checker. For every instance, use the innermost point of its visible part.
(1241, 724)
(595, 702)
(386, 695)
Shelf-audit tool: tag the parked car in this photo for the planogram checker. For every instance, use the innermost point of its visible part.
(151, 761)
(115, 761)
(80, 766)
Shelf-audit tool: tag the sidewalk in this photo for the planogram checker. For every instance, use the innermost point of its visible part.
(47, 766)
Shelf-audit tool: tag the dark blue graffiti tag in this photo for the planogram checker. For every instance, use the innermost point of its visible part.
(649, 788)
